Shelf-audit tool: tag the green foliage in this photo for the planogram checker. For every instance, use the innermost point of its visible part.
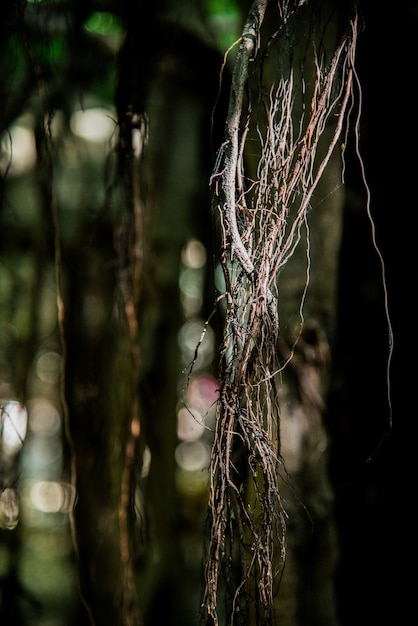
(225, 18)
(103, 23)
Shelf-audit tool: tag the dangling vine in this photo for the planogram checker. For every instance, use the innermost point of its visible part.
(262, 214)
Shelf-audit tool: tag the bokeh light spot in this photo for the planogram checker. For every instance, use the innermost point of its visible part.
(52, 497)
(193, 455)
(190, 424)
(194, 254)
(48, 367)
(95, 125)
(44, 417)
(17, 150)
(14, 421)
(194, 334)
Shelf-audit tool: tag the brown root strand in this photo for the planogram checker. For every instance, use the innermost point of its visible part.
(262, 214)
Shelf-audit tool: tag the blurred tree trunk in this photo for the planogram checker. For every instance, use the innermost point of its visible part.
(172, 88)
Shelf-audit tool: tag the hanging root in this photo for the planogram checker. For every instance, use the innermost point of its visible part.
(261, 219)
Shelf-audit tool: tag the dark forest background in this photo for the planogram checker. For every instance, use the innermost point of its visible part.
(57, 64)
